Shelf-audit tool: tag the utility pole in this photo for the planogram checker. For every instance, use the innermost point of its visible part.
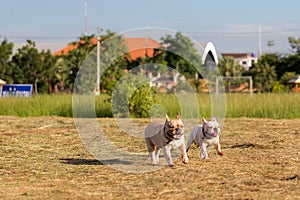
(98, 62)
(85, 18)
(259, 41)
(146, 46)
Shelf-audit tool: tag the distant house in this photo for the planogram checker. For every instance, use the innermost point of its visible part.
(165, 83)
(244, 59)
(295, 84)
(137, 47)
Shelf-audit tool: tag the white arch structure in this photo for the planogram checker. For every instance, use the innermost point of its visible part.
(209, 52)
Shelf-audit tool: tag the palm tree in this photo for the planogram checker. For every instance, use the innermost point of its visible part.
(265, 76)
(228, 67)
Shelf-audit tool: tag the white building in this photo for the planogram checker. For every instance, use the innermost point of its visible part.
(244, 59)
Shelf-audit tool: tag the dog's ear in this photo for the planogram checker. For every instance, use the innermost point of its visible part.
(214, 119)
(178, 116)
(167, 117)
(204, 121)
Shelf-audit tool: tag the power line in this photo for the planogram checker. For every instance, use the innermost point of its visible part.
(38, 37)
(225, 34)
(241, 33)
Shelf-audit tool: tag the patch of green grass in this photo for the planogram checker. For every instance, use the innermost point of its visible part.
(237, 105)
(49, 105)
(41, 105)
(264, 105)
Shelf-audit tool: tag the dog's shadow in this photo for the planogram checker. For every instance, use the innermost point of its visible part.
(247, 145)
(81, 161)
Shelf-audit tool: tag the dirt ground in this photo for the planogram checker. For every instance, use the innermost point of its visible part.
(44, 158)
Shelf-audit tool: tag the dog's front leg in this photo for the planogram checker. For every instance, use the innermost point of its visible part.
(218, 148)
(185, 158)
(167, 153)
(203, 152)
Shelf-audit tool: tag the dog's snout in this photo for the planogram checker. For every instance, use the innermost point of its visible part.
(178, 131)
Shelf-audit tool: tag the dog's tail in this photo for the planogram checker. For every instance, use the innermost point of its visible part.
(191, 138)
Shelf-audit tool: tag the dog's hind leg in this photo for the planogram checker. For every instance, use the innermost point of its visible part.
(157, 151)
(153, 159)
(151, 149)
(191, 138)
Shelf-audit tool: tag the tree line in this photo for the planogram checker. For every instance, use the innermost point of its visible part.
(272, 71)
(57, 73)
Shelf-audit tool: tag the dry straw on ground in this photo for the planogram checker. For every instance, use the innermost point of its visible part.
(44, 158)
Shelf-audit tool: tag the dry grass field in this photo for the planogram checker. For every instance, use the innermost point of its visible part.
(44, 158)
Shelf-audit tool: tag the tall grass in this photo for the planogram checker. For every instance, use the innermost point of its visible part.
(173, 105)
(49, 105)
(264, 105)
(238, 105)
(41, 105)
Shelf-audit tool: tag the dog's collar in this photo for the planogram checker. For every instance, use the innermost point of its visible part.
(204, 134)
(167, 136)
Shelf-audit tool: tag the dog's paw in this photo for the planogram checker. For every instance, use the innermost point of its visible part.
(185, 161)
(205, 158)
(221, 153)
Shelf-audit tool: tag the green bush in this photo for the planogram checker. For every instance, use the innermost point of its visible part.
(278, 87)
(131, 96)
(141, 102)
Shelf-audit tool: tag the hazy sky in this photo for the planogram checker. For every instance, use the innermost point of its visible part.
(232, 24)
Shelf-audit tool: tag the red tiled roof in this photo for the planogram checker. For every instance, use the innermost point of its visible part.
(140, 47)
(70, 47)
(137, 47)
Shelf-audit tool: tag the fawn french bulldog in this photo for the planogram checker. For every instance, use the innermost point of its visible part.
(165, 136)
